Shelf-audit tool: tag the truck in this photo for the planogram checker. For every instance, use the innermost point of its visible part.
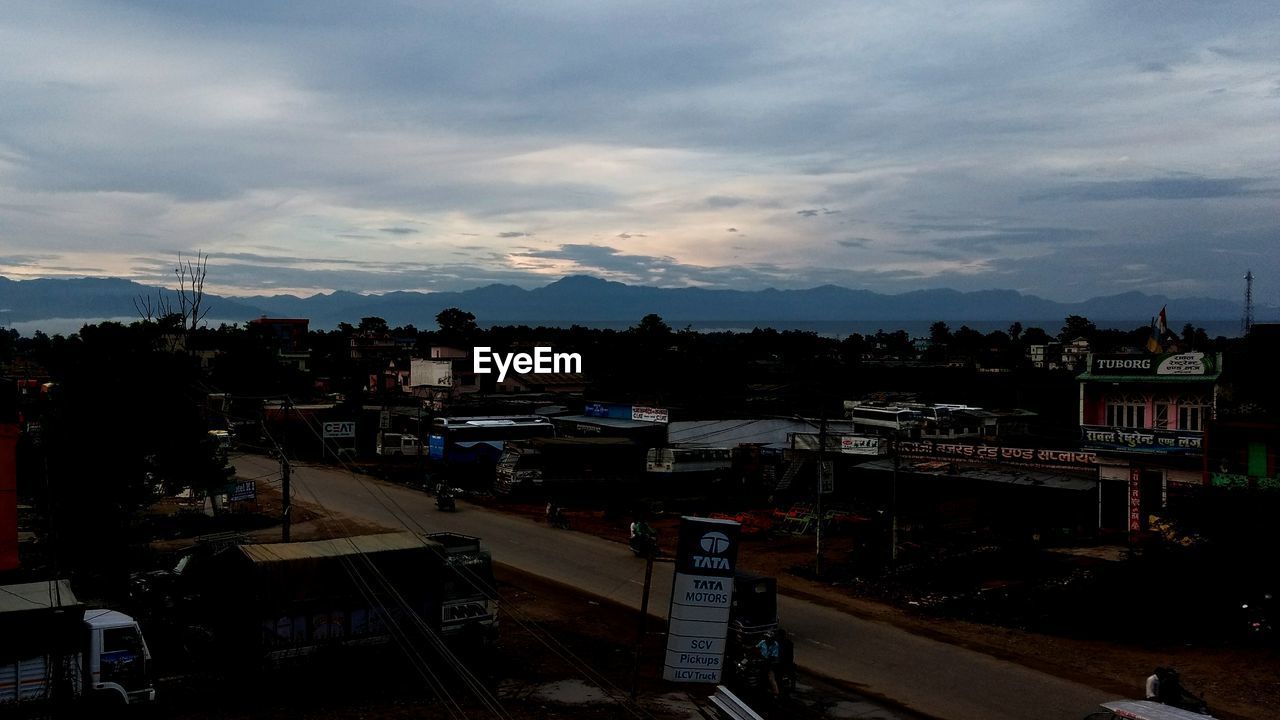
(57, 650)
(262, 605)
(397, 444)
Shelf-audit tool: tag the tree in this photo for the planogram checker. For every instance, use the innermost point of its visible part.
(373, 325)
(191, 275)
(939, 334)
(1077, 326)
(1015, 331)
(652, 325)
(456, 323)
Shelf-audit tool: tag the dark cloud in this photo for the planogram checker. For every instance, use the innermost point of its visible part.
(1174, 188)
(724, 201)
(732, 230)
(514, 234)
(814, 212)
(23, 260)
(854, 242)
(399, 230)
(1017, 236)
(282, 259)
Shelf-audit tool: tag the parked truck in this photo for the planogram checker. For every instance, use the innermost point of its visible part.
(56, 650)
(254, 605)
(398, 445)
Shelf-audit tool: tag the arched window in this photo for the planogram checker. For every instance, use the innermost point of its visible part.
(1193, 412)
(1127, 411)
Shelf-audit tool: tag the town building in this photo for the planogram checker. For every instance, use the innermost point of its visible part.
(1145, 416)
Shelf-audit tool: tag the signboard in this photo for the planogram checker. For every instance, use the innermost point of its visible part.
(843, 444)
(1135, 500)
(435, 447)
(1151, 440)
(1037, 457)
(826, 477)
(607, 410)
(343, 429)
(1187, 363)
(244, 491)
(430, 373)
(701, 595)
(649, 414)
(384, 420)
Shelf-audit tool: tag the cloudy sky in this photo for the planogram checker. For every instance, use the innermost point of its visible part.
(1066, 149)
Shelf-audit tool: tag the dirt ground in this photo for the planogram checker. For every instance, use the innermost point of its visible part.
(563, 654)
(1237, 682)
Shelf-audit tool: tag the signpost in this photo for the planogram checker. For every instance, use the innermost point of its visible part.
(701, 595)
(243, 491)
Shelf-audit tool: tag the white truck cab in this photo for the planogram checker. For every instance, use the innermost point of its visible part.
(118, 657)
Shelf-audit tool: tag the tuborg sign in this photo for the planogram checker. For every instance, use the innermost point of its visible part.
(1187, 363)
(701, 595)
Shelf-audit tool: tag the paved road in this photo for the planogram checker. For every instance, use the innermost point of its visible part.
(925, 675)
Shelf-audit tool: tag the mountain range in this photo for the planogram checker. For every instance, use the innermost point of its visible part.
(584, 299)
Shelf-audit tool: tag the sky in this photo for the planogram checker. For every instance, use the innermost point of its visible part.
(1067, 150)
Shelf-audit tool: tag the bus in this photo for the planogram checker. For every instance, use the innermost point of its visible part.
(688, 461)
(468, 440)
(885, 419)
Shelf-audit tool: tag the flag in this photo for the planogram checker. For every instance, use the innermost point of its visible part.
(1164, 324)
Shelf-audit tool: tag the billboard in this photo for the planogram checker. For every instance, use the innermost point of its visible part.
(1162, 365)
(430, 373)
(962, 452)
(701, 596)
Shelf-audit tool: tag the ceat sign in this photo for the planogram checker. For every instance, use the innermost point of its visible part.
(343, 429)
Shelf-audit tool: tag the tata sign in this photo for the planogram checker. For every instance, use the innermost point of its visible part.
(701, 595)
(334, 430)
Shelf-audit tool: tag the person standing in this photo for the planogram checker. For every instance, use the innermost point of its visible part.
(769, 652)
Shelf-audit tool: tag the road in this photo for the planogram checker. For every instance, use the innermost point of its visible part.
(924, 675)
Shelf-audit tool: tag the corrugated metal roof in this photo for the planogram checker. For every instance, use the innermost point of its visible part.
(36, 596)
(605, 422)
(340, 547)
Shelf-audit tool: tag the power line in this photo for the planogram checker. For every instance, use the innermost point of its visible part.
(548, 641)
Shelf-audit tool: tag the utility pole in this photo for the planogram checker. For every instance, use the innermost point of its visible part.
(287, 511)
(822, 455)
(1246, 322)
(893, 504)
(644, 618)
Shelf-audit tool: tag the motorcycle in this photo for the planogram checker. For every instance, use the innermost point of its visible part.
(557, 519)
(1257, 617)
(645, 545)
(445, 503)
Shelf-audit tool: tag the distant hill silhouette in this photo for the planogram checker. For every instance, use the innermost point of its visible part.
(584, 299)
